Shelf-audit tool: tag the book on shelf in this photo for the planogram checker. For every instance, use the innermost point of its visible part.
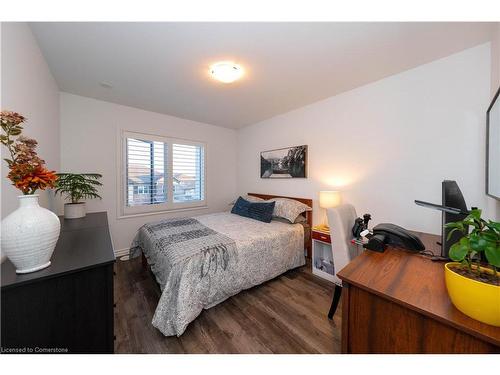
(322, 229)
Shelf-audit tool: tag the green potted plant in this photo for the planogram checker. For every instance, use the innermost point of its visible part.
(77, 186)
(473, 281)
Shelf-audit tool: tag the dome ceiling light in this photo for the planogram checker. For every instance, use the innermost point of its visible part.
(226, 71)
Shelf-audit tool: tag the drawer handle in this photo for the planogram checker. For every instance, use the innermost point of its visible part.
(323, 237)
(114, 305)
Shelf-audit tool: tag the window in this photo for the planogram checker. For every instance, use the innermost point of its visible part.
(161, 173)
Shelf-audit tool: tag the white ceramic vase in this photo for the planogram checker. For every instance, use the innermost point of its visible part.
(29, 235)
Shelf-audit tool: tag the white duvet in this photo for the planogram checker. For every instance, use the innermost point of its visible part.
(263, 251)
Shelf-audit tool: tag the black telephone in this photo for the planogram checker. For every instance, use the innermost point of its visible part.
(391, 234)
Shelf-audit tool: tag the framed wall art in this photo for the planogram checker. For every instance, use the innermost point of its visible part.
(289, 162)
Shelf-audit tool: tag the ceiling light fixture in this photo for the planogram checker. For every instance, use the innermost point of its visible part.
(226, 71)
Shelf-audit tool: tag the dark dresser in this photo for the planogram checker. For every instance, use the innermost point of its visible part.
(67, 307)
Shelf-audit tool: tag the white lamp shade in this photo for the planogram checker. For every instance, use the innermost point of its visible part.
(329, 199)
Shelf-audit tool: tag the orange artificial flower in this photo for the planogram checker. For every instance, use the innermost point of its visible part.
(28, 179)
(27, 170)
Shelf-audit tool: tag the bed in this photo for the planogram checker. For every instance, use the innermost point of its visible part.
(200, 261)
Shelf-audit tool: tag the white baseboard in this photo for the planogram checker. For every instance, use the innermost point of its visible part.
(121, 252)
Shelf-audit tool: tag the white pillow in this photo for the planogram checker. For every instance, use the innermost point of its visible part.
(249, 198)
(288, 208)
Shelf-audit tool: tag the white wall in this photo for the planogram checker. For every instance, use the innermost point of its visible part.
(387, 143)
(89, 135)
(495, 59)
(28, 88)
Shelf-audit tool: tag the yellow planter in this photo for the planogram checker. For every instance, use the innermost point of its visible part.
(478, 300)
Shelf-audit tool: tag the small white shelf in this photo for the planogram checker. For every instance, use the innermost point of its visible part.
(323, 274)
(322, 253)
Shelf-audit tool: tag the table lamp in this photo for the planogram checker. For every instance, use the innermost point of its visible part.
(328, 199)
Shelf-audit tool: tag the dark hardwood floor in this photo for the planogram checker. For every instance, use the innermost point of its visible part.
(285, 315)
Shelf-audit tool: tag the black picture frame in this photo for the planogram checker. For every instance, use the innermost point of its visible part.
(488, 124)
(282, 163)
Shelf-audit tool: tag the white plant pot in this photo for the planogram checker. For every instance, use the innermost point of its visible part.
(75, 210)
(29, 235)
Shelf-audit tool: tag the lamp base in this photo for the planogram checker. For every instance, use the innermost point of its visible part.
(323, 228)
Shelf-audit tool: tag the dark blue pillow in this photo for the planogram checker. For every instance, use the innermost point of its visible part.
(262, 211)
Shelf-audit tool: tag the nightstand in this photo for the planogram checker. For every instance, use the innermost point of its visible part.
(322, 255)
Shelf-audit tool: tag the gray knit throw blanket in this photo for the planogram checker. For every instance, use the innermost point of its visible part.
(173, 242)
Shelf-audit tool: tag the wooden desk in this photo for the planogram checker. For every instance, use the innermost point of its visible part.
(396, 302)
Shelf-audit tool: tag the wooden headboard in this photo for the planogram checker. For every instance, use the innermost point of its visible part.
(309, 216)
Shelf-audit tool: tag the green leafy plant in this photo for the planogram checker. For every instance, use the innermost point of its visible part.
(78, 186)
(484, 237)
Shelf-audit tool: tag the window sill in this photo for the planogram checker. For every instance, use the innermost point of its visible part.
(130, 216)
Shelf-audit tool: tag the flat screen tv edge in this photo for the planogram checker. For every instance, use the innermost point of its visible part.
(493, 102)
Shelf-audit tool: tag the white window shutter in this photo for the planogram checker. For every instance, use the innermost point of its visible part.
(146, 177)
(188, 172)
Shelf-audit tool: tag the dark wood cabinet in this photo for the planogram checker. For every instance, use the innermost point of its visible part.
(67, 307)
